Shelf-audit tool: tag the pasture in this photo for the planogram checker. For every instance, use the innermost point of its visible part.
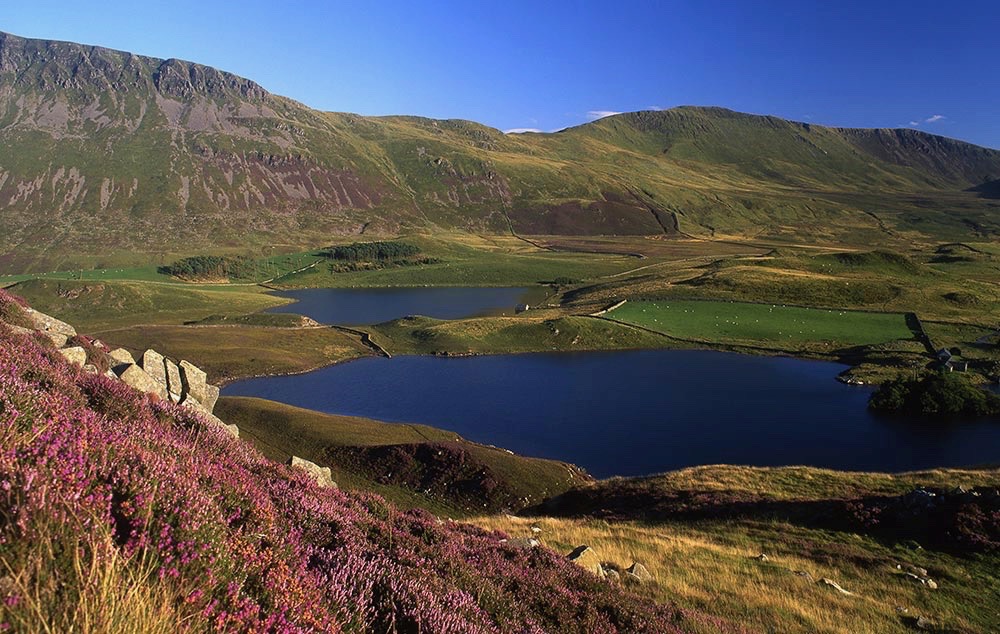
(773, 325)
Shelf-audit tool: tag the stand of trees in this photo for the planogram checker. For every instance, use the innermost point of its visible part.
(210, 266)
(937, 394)
(372, 251)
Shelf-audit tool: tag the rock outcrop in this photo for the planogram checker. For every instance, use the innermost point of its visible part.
(75, 354)
(121, 356)
(58, 331)
(585, 557)
(153, 363)
(211, 396)
(194, 382)
(181, 382)
(141, 380)
(322, 475)
(194, 406)
(637, 573)
(174, 386)
(836, 586)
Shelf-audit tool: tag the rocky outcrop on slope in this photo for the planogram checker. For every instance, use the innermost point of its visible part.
(183, 383)
(322, 475)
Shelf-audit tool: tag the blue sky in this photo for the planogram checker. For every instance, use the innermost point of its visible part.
(548, 65)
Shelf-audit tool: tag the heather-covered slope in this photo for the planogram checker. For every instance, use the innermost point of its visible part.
(119, 511)
(169, 157)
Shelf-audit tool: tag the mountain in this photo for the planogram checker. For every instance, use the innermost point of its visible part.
(110, 151)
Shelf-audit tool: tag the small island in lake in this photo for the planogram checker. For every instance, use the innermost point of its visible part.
(939, 395)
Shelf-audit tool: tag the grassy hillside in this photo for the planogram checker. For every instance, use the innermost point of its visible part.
(96, 306)
(499, 335)
(701, 533)
(173, 158)
(411, 465)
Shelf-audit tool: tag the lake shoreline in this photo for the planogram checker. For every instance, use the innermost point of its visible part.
(667, 404)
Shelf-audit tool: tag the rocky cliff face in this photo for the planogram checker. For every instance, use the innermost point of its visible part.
(159, 152)
(57, 66)
(960, 162)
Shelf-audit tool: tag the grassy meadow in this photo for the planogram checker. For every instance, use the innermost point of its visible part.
(501, 335)
(98, 306)
(468, 260)
(713, 566)
(768, 325)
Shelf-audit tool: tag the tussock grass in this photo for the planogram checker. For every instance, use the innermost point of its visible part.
(60, 585)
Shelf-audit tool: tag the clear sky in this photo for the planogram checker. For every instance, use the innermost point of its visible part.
(550, 64)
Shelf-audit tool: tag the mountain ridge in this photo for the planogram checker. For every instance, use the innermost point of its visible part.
(174, 157)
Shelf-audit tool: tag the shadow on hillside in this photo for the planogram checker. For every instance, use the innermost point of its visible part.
(957, 521)
(989, 189)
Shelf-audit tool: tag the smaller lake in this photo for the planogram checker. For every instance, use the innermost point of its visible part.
(362, 306)
(640, 412)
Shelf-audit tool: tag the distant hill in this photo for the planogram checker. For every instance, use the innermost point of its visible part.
(109, 151)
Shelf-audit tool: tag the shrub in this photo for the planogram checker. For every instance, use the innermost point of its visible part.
(12, 310)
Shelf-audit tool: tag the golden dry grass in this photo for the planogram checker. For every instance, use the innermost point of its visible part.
(713, 567)
(94, 591)
(783, 483)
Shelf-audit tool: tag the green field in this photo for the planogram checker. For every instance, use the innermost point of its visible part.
(470, 261)
(762, 324)
(229, 352)
(97, 306)
(272, 267)
(504, 335)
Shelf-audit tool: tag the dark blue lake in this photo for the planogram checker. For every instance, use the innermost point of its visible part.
(639, 412)
(358, 306)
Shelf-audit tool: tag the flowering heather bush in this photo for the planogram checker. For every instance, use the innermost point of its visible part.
(96, 356)
(12, 309)
(957, 521)
(185, 515)
(445, 469)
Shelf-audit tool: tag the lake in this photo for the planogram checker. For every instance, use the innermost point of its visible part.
(639, 412)
(360, 306)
